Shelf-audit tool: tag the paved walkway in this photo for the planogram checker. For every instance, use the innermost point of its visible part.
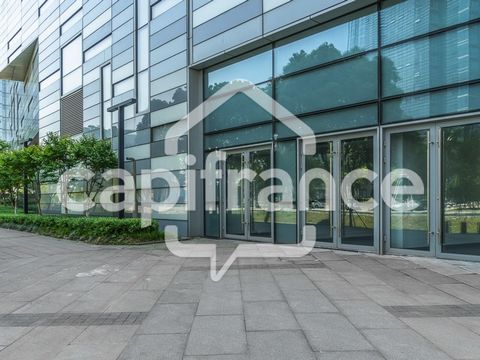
(65, 300)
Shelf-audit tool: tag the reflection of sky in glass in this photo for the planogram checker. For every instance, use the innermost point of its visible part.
(256, 69)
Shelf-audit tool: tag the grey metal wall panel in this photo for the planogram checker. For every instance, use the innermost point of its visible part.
(228, 20)
(169, 33)
(229, 39)
(168, 17)
(294, 11)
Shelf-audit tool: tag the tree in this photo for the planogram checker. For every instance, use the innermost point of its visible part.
(11, 176)
(4, 146)
(59, 157)
(97, 156)
(31, 163)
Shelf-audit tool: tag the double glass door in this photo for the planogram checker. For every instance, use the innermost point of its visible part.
(339, 207)
(247, 215)
(443, 220)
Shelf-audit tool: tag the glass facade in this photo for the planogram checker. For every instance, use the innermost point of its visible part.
(383, 66)
(410, 60)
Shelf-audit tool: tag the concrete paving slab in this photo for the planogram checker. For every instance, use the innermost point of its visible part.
(227, 303)
(331, 332)
(404, 344)
(217, 335)
(154, 347)
(269, 316)
(453, 338)
(278, 345)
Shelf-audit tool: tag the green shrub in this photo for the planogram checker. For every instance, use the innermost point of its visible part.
(106, 231)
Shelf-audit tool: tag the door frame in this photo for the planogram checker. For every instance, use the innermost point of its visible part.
(336, 139)
(432, 185)
(435, 216)
(247, 198)
(439, 212)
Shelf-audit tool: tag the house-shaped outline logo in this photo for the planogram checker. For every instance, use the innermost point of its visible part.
(197, 116)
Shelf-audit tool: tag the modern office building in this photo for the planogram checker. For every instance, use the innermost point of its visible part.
(384, 85)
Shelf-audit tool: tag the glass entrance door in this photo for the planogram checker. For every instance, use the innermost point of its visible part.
(445, 221)
(340, 212)
(247, 216)
(409, 221)
(459, 215)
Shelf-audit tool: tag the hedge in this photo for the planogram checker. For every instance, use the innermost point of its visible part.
(92, 230)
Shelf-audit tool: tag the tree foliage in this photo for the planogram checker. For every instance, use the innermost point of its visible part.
(37, 164)
(97, 156)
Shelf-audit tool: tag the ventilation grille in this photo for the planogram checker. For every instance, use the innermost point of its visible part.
(71, 112)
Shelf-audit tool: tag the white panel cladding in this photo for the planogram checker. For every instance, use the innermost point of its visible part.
(272, 4)
(163, 6)
(213, 9)
(101, 20)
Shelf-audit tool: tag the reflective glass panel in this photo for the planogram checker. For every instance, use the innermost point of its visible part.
(461, 190)
(450, 101)
(260, 213)
(357, 223)
(409, 228)
(405, 19)
(72, 56)
(143, 98)
(72, 81)
(235, 203)
(143, 51)
(239, 110)
(256, 69)
(286, 216)
(331, 42)
(337, 85)
(443, 59)
(250, 135)
(318, 211)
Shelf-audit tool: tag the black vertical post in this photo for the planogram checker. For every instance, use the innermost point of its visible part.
(121, 152)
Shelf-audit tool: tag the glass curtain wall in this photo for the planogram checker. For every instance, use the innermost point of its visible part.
(436, 72)
(331, 78)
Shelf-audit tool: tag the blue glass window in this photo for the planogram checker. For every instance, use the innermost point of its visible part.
(333, 42)
(443, 59)
(402, 20)
(341, 84)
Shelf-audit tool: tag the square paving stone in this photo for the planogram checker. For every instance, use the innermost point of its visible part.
(331, 332)
(365, 314)
(227, 303)
(261, 291)
(294, 282)
(98, 351)
(115, 334)
(218, 357)
(269, 316)
(155, 347)
(278, 345)
(463, 292)
(350, 355)
(404, 344)
(308, 301)
(451, 337)
(10, 334)
(169, 319)
(228, 283)
(217, 335)
(181, 295)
